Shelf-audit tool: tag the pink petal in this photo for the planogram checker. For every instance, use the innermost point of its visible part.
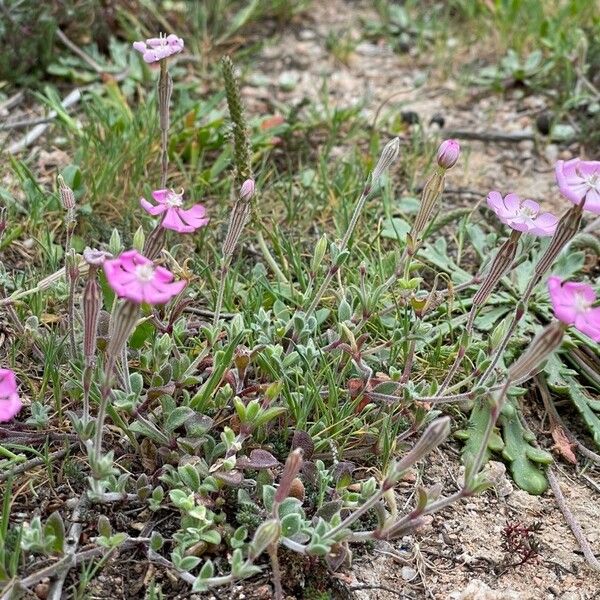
(173, 221)
(160, 195)
(545, 224)
(588, 167)
(592, 202)
(564, 170)
(195, 216)
(151, 209)
(494, 201)
(576, 288)
(532, 205)
(8, 382)
(155, 42)
(562, 301)
(519, 224)
(161, 275)
(589, 324)
(9, 407)
(133, 291)
(139, 46)
(161, 293)
(512, 202)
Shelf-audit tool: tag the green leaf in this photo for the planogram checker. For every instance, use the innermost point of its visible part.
(55, 528)
(291, 524)
(395, 229)
(190, 477)
(222, 362)
(179, 417)
(207, 571)
(523, 457)
(211, 537)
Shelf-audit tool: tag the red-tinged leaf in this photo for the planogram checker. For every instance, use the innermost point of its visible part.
(258, 459)
(562, 444)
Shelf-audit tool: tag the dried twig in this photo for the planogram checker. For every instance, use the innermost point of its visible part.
(31, 464)
(11, 102)
(24, 123)
(38, 130)
(572, 522)
(77, 50)
(489, 136)
(72, 542)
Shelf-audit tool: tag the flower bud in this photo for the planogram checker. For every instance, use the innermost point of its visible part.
(92, 302)
(66, 194)
(267, 533)
(114, 244)
(122, 323)
(546, 342)
(95, 258)
(139, 239)
(388, 156)
(448, 154)
(293, 464)
(433, 436)
(247, 190)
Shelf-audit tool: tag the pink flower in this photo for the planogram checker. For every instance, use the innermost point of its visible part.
(580, 179)
(136, 278)
(522, 215)
(10, 404)
(155, 49)
(176, 218)
(448, 154)
(573, 304)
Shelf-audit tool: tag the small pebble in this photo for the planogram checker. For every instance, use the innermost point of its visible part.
(408, 573)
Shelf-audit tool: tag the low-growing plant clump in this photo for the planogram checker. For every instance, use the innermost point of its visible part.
(246, 417)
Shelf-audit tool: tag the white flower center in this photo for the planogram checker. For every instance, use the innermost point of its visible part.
(144, 273)
(593, 182)
(582, 305)
(527, 212)
(174, 199)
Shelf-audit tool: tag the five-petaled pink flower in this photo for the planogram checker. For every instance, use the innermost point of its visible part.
(10, 404)
(522, 215)
(573, 304)
(155, 49)
(175, 217)
(136, 278)
(578, 180)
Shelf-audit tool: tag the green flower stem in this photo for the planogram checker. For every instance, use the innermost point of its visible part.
(104, 398)
(221, 292)
(410, 355)
(270, 260)
(500, 266)
(165, 87)
(11, 455)
(343, 245)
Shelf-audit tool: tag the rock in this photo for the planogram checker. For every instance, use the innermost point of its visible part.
(495, 472)
(408, 573)
(477, 590)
